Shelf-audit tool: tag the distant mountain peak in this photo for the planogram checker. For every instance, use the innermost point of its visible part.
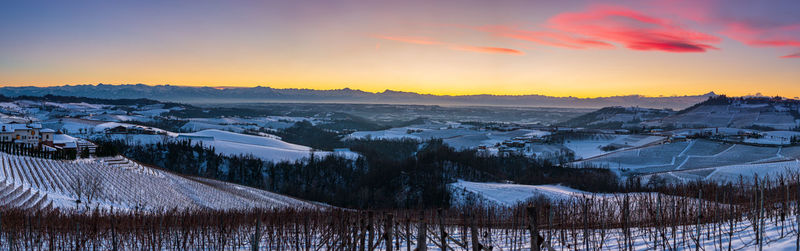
(211, 95)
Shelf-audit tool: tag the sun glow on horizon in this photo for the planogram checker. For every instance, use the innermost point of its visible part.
(576, 49)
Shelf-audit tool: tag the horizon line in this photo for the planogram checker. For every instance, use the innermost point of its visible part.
(222, 87)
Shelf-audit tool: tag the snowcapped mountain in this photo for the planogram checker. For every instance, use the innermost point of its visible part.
(207, 95)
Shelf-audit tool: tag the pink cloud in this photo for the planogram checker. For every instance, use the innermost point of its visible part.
(452, 46)
(784, 36)
(602, 27)
(756, 25)
(645, 29)
(633, 29)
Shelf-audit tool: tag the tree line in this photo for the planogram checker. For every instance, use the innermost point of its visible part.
(13, 148)
(387, 174)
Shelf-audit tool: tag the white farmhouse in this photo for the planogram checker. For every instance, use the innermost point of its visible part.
(29, 134)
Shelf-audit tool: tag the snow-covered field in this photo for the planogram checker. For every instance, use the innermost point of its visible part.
(240, 124)
(698, 156)
(500, 194)
(774, 138)
(734, 115)
(268, 148)
(28, 182)
(732, 173)
(457, 136)
(87, 127)
(589, 148)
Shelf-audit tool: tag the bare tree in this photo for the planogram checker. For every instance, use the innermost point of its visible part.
(86, 186)
(94, 186)
(78, 186)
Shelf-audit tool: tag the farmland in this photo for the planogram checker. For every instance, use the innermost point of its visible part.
(34, 183)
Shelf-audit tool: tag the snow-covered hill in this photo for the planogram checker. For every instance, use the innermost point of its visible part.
(617, 117)
(500, 194)
(730, 173)
(35, 183)
(269, 148)
(781, 114)
(699, 157)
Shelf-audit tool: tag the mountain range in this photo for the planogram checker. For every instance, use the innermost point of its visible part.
(216, 95)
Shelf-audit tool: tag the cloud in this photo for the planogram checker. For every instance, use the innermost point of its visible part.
(497, 50)
(633, 29)
(604, 26)
(452, 46)
(550, 38)
(753, 23)
(646, 28)
(796, 55)
(753, 34)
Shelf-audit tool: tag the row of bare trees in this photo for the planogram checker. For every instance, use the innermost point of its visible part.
(687, 216)
(20, 149)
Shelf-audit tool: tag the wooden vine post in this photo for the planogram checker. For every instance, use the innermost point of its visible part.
(422, 233)
(388, 226)
(532, 222)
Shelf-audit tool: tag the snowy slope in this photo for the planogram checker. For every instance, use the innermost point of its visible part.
(272, 141)
(125, 185)
(588, 148)
(511, 194)
(73, 126)
(731, 173)
(457, 137)
(267, 148)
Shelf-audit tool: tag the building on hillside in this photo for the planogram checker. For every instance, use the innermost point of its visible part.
(28, 134)
(47, 135)
(66, 142)
(131, 130)
(85, 145)
(63, 141)
(678, 138)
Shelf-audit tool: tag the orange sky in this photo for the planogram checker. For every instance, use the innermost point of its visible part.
(582, 49)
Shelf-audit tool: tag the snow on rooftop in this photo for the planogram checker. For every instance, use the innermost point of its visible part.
(63, 139)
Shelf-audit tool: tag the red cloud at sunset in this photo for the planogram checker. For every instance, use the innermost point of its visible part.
(599, 27)
(634, 30)
(452, 46)
(606, 27)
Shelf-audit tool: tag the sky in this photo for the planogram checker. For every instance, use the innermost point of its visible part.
(556, 48)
